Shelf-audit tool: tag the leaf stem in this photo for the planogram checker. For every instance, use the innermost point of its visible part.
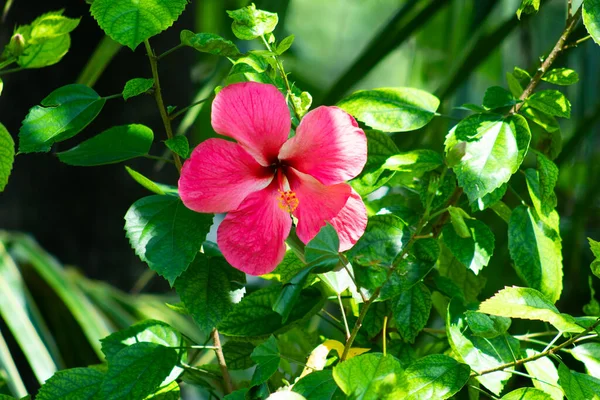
(113, 96)
(221, 360)
(344, 316)
(546, 353)
(157, 158)
(577, 42)
(10, 71)
(7, 62)
(166, 53)
(547, 63)
(183, 110)
(159, 100)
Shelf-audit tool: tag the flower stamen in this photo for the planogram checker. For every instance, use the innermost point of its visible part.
(288, 201)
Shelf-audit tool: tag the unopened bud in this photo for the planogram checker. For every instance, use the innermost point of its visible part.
(17, 44)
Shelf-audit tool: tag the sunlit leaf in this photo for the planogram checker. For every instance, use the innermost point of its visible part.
(561, 76)
(209, 43)
(7, 156)
(551, 102)
(578, 386)
(250, 23)
(591, 18)
(72, 384)
(136, 87)
(369, 376)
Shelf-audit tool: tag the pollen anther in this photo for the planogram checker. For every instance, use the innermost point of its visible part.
(288, 201)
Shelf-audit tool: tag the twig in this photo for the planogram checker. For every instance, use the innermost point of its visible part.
(221, 360)
(344, 317)
(558, 48)
(577, 42)
(159, 100)
(546, 353)
(183, 110)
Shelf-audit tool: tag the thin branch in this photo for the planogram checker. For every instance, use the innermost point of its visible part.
(183, 110)
(344, 317)
(221, 361)
(547, 63)
(10, 71)
(546, 353)
(159, 100)
(534, 335)
(166, 53)
(577, 42)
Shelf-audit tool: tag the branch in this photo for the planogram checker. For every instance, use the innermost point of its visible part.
(221, 360)
(556, 50)
(546, 353)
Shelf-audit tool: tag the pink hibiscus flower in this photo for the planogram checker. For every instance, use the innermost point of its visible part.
(264, 177)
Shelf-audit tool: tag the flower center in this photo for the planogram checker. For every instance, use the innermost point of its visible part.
(288, 201)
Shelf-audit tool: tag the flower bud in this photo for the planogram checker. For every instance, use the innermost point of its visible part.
(17, 44)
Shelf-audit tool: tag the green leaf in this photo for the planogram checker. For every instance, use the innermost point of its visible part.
(374, 319)
(205, 290)
(487, 326)
(547, 122)
(267, 358)
(589, 355)
(436, 376)
(490, 199)
(591, 19)
(322, 250)
(137, 371)
(478, 352)
(72, 384)
(237, 355)
(369, 376)
(578, 386)
(149, 331)
(209, 43)
(513, 85)
(165, 234)
(250, 23)
(370, 276)
(528, 7)
(284, 45)
(379, 148)
(475, 251)
(384, 238)
(493, 151)
(469, 284)
(527, 393)
(457, 219)
(51, 26)
(551, 102)
(253, 317)
(168, 392)
(179, 145)
(290, 293)
(131, 22)
(154, 187)
(416, 161)
(527, 303)
(498, 97)
(7, 156)
(392, 109)
(520, 73)
(137, 86)
(436, 189)
(535, 247)
(595, 266)
(1, 85)
(287, 268)
(546, 373)
(318, 385)
(63, 114)
(543, 184)
(411, 311)
(119, 143)
(561, 76)
(301, 102)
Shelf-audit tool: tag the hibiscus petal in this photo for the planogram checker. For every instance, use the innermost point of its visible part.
(219, 175)
(317, 203)
(256, 115)
(351, 221)
(252, 238)
(328, 145)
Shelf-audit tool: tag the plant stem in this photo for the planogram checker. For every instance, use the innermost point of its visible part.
(547, 63)
(221, 360)
(344, 316)
(166, 53)
(577, 42)
(113, 96)
(157, 158)
(6, 63)
(183, 110)
(159, 100)
(546, 353)
(10, 71)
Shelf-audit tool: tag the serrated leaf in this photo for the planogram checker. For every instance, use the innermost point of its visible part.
(384, 238)
(379, 148)
(478, 352)
(165, 234)
(237, 355)
(284, 45)
(369, 376)
(546, 373)
(302, 102)
(547, 122)
(253, 317)
(152, 186)
(561, 76)
(51, 26)
(205, 290)
(41, 52)
(589, 355)
(578, 386)
(535, 247)
(416, 161)
(72, 384)
(392, 109)
(63, 113)
(7, 156)
(286, 269)
(551, 102)
(267, 358)
(411, 311)
(548, 176)
(119, 143)
(475, 251)
(137, 371)
(322, 250)
(179, 145)
(131, 22)
(591, 19)
(486, 151)
(168, 392)
(318, 385)
(527, 393)
(457, 219)
(528, 7)
(250, 23)
(137, 86)
(487, 326)
(470, 285)
(209, 43)
(149, 331)
(498, 97)
(436, 376)
(490, 199)
(527, 303)
(374, 319)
